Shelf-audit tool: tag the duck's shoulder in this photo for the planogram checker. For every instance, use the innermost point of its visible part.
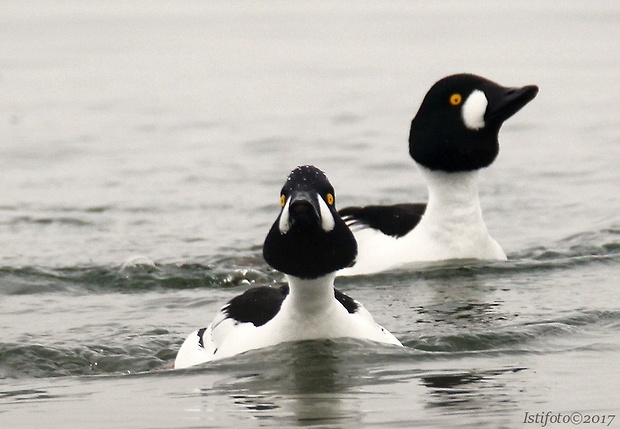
(362, 318)
(257, 305)
(351, 305)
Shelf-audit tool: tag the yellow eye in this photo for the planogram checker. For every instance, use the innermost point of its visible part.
(282, 200)
(330, 199)
(455, 99)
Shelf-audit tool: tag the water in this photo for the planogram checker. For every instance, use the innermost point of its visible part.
(144, 145)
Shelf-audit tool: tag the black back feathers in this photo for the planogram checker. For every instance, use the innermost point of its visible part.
(260, 304)
(257, 305)
(395, 220)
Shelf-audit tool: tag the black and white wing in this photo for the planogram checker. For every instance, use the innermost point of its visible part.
(255, 306)
(395, 220)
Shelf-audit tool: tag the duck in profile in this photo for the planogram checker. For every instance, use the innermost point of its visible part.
(309, 242)
(454, 134)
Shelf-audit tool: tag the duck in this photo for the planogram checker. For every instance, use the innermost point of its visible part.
(454, 135)
(308, 242)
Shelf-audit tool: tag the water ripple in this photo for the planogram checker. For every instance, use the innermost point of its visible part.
(35, 360)
(129, 278)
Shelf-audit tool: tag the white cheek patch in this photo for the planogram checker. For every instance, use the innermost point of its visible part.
(474, 109)
(284, 225)
(327, 219)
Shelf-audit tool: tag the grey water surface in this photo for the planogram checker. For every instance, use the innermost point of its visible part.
(143, 146)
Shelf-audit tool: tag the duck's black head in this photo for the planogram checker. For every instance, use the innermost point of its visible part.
(309, 239)
(457, 125)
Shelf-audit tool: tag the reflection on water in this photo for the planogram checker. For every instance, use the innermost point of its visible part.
(345, 383)
(482, 390)
(301, 383)
(462, 301)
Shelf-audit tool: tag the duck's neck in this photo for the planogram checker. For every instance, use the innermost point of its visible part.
(453, 197)
(311, 296)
